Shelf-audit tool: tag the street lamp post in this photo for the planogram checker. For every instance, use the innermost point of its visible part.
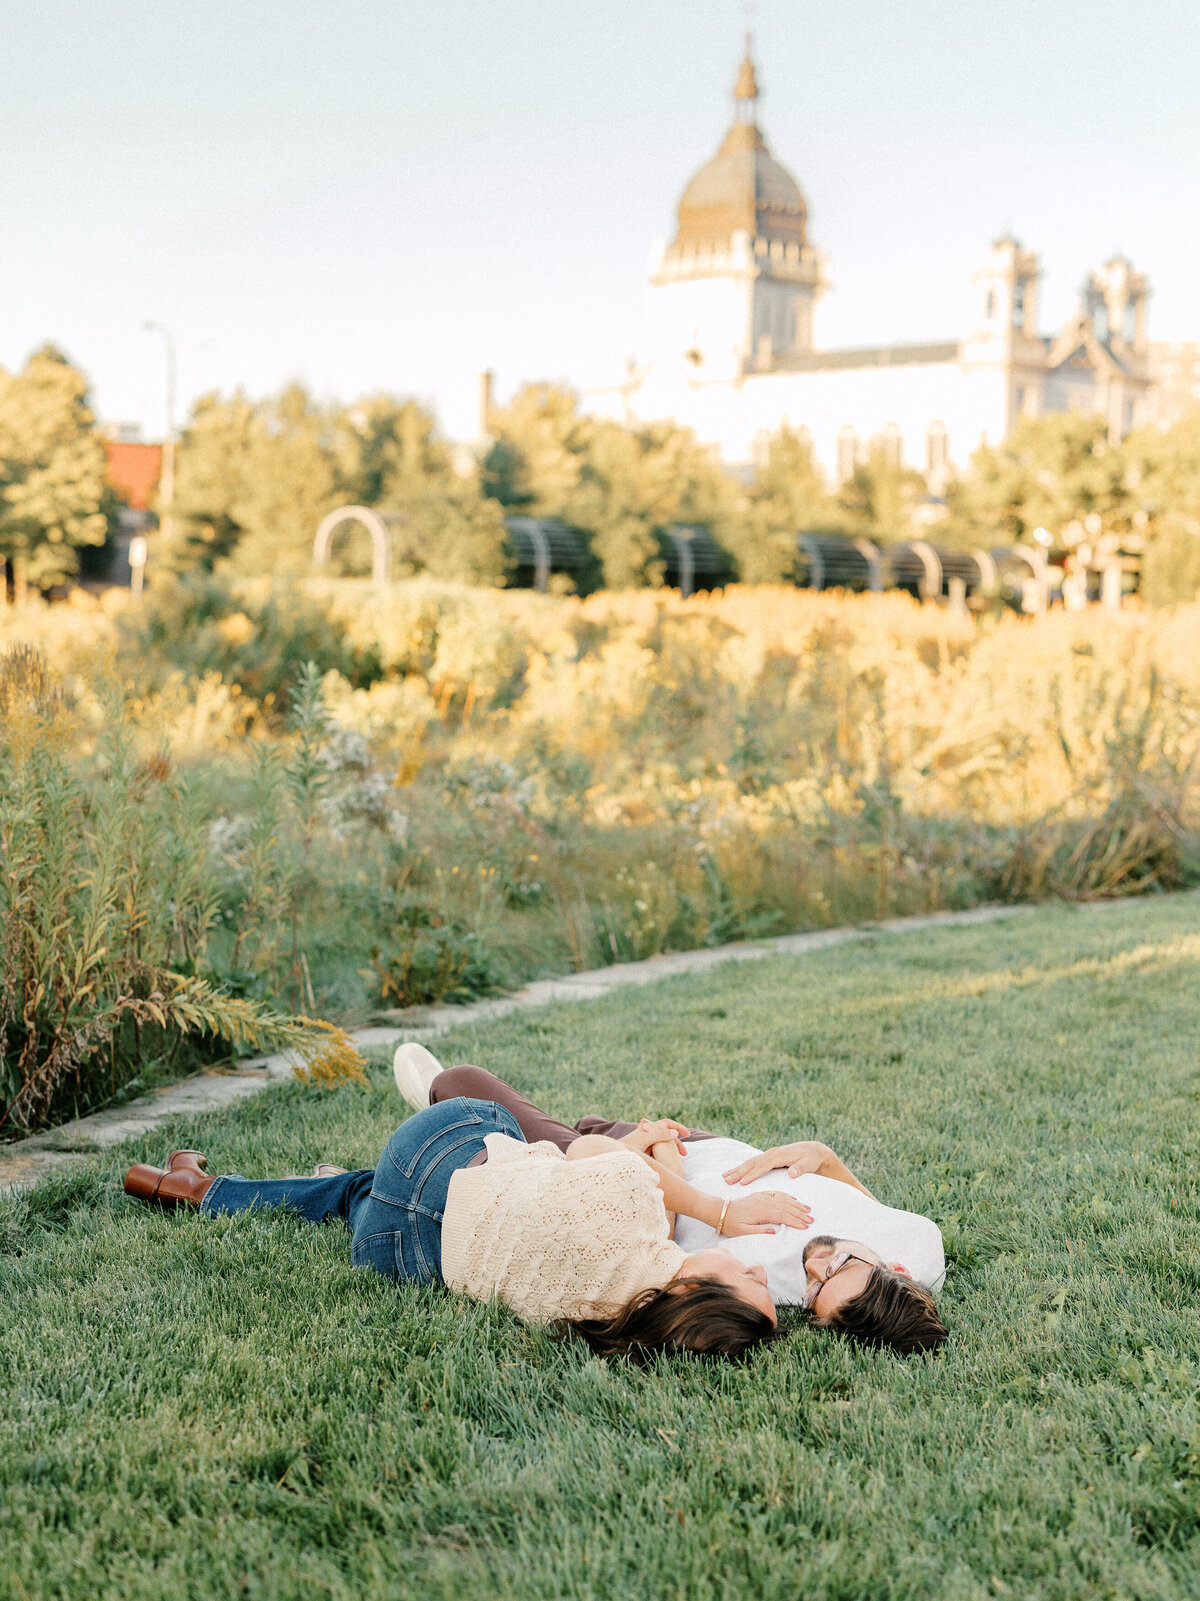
(166, 487)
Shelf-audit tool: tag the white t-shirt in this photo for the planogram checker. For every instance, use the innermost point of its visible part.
(837, 1209)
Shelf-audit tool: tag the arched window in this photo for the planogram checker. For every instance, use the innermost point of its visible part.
(937, 448)
(847, 452)
(802, 325)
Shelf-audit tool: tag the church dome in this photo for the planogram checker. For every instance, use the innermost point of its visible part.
(743, 186)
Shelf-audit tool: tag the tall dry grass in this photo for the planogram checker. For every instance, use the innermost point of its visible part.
(501, 783)
(108, 903)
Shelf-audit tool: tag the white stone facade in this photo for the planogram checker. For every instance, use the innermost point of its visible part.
(735, 352)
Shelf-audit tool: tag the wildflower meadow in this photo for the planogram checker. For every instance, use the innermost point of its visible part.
(241, 808)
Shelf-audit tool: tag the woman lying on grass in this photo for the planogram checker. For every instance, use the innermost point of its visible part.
(579, 1238)
(857, 1266)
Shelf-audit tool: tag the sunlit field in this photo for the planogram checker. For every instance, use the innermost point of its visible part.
(337, 801)
(225, 1409)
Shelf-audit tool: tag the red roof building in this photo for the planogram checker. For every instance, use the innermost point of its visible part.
(133, 471)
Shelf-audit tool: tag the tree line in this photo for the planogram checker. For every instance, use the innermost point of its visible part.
(255, 477)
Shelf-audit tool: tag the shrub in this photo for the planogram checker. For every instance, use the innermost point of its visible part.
(1124, 829)
(255, 635)
(424, 963)
(106, 910)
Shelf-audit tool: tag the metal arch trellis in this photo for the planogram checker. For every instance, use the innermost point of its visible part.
(687, 561)
(989, 573)
(541, 555)
(931, 584)
(375, 526)
(1035, 560)
(816, 561)
(873, 557)
(544, 546)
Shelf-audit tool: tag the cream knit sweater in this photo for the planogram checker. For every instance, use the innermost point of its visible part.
(556, 1239)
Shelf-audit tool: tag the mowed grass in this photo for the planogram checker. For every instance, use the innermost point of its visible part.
(213, 1409)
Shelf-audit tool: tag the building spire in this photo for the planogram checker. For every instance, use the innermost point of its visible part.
(745, 90)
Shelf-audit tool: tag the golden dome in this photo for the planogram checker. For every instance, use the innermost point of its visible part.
(743, 186)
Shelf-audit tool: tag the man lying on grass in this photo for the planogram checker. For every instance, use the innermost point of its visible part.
(588, 1228)
(853, 1265)
(578, 1237)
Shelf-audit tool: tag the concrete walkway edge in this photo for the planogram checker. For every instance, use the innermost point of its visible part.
(72, 1144)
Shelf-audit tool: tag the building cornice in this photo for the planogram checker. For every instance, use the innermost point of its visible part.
(927, 355)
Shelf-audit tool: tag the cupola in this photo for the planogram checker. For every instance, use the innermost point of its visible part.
(743, 186)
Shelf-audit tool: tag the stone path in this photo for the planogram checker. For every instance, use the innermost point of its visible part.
(72, 1144)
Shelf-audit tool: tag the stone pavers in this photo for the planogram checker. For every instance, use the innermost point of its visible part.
(72, 1144)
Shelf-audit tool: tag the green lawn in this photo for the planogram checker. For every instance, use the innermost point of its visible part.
(216, 1409)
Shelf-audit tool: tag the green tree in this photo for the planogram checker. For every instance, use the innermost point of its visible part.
(388, 454)
(54, 497)
(289, 484)
(880, 497)
(787, 497)
(1162, 476)
(210, 472)
(253, 480)
(623, 486)
(1051, 471)
(536, 459)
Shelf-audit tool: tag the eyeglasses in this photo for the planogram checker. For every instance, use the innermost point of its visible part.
(837, 1262)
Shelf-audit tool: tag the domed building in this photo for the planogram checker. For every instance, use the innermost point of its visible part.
(739, 279)
(735, 351)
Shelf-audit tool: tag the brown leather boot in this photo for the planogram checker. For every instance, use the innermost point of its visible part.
(182, 1183)
(178, 1159)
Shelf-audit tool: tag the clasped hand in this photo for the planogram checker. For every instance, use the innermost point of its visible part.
(656, 1131)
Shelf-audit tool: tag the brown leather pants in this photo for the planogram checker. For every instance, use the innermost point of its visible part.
(477, 1084)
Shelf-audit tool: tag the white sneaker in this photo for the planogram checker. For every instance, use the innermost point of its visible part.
(414, 1069)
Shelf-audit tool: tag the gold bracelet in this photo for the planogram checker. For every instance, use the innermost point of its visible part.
(721, 1219)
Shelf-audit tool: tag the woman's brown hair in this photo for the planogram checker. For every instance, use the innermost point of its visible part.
(701, 1315)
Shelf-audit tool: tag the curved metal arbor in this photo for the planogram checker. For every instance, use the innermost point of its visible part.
(1019, 575)
(694, 560)
(917, 567)
(966, 567)
(1024, 579)
(541, 546)
(373, 522)
(924, 570)
(829, 561)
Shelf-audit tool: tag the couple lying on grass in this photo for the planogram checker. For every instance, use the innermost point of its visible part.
(607, 1230)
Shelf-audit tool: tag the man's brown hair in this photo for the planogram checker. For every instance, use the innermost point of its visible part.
(892, 1312)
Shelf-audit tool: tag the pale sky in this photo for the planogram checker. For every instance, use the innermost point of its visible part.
(395, 194)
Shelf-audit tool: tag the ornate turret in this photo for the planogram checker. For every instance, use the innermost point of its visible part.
(741, 224)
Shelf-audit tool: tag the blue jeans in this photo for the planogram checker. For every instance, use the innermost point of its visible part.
(395, 1212)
